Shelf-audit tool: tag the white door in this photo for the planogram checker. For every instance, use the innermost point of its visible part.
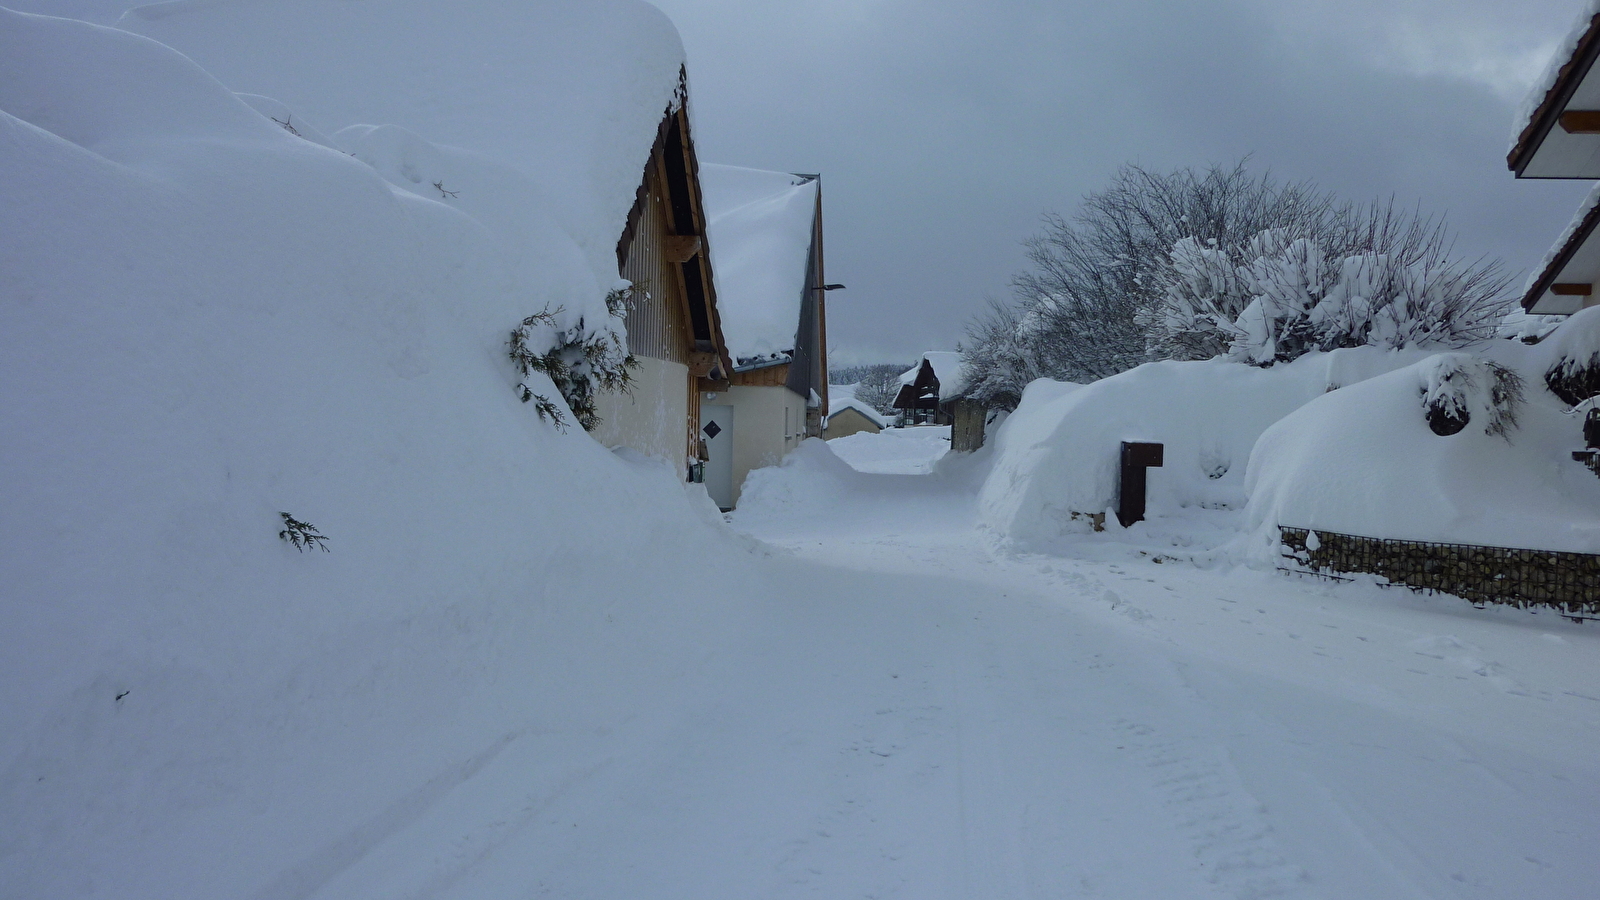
(716, 426)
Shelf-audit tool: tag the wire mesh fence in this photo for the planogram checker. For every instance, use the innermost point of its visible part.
(1566, 581)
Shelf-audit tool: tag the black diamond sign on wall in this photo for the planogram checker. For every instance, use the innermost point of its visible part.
(712, 429)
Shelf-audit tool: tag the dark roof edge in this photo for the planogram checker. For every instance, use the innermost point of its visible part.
(1555, 99)
(1562, 257)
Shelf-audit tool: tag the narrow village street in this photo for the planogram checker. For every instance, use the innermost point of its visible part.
(943, 721)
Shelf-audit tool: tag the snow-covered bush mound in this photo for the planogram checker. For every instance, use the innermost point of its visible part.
(814, 487)
(208, 322)
(1574, 372)
(1364, 460)
(1056, 458)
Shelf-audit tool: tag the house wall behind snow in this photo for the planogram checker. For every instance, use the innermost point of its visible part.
(847, 422)
(769, 422)
(653, 417)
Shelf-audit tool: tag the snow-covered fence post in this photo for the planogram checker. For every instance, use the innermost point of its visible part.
(1136, 457)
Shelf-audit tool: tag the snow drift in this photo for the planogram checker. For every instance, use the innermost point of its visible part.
(209, 321)
(1363, 460)
(1056, 457)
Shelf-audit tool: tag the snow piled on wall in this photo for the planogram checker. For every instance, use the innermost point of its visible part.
(209, 321)
(759, 230)
(569, 95)
(1362, 460)
(1057, 457)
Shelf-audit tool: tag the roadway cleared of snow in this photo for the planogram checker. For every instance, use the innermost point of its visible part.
(1115, 726)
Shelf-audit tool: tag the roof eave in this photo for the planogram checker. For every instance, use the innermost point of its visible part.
(1551, 272)
(1555, 100)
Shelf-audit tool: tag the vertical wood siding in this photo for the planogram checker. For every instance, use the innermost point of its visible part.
(656, 326)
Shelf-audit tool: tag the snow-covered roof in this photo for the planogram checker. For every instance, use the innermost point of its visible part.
(569, 94)
(759, 227)
(838, 405)
(1563, 83)
(1574, 257)
(948, 366)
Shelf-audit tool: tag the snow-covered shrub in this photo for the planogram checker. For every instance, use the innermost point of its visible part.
(1575, 374)
(580, 361)
(1361, 460)
(1199, 264)
(1457, 388)
(1002, 359)
(1377, 278)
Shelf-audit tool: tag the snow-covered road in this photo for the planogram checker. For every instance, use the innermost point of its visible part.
(943, 721)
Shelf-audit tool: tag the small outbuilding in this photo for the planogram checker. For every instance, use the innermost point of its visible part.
(847, 416)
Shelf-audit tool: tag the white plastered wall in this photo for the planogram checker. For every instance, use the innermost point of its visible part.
(653, 417)
(760, 437)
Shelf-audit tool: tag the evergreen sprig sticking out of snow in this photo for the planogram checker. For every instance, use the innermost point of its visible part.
(303, 535)
(580, 362)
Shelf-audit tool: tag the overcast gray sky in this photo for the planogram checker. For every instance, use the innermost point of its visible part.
(945, 129)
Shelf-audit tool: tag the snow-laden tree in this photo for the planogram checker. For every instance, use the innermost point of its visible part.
(1003, 356)
(1080, 312)
(879, 387)
(1203, 263)
(1371, 276)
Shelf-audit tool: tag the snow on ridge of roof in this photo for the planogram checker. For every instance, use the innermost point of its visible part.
(838, 405)
(568, 93)
(758, 229)
(949, 366)
(1542, 90)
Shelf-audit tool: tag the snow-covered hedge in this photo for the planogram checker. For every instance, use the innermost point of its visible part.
(1363, 460)
(1574, 370)
(1056, 457)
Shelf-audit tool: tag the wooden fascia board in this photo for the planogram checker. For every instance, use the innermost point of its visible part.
(822, 296)
(698, 213)
(1562, 257)
(1548, 113)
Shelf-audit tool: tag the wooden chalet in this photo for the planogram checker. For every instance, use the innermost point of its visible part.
(1561, 139)
(673, 328)
(934, 393)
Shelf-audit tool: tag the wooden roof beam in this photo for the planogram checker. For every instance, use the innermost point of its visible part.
(1581, 121)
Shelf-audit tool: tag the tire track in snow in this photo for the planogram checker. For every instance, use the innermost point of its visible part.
(1226, 826)
(304, 880)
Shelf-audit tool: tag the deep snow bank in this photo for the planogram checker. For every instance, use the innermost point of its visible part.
(1362, 460)
(207, 321)
(1057, 455)
(567, 94)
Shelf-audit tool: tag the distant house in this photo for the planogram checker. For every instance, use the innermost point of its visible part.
(847, 416)
(562, 129)
(933, 392)
(765, 231)
(1560, 138)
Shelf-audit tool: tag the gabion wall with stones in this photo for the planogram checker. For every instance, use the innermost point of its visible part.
(1569, 582)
